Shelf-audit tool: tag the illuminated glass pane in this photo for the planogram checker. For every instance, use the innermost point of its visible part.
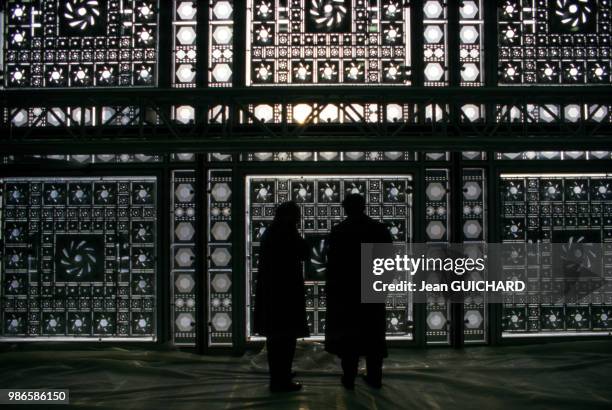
(220, 263)
(471, 40)
(473, 218)
(556, 208)
(548, 42)
(435, 56)
(183, 257)
(388, 198)
(82, 258)
(80, 43)
(437, 201)
(220, 43)
(184, 40)
(328, 42)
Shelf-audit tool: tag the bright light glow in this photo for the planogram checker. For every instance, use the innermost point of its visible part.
(222, 10)
(432, 9)
(468, 34)
(433, 34)
(186, 11)
(572, 112)
(222, 72)
(186, 35)
(469, 10)
(185, 114)
(185, 73)
(434, 72)
(470, 72)
(264, 112)
(222, 35)
(394, 112)
(471, 111)
(301, 112)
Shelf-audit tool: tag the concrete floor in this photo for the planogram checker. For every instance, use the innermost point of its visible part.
(570, 375)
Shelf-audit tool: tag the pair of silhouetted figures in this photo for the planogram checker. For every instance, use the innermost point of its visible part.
(352, 329)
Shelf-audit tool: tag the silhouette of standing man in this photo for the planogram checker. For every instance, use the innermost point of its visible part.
(280, 309)
(354, 329)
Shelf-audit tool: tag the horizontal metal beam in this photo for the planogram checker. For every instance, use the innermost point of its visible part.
(507, 143)
(47, 97)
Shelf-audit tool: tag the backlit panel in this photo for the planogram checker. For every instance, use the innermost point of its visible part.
(220, 43)
(328, 42)
(557, 208)
(471, 46)
(473, 217)
(437, 202)
(184, 24)
(80, 43)
(552, 42)
(220, 257)
(435, 32)
(388, 199)
(183, 275)
(80, 259)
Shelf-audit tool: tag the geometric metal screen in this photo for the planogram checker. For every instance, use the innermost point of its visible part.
(557, 208)
(220, 257)
(79, 259)
(437, 230)
(325, 42)
(80, 43)
(183, 275)
(388, 199)
(548, 42)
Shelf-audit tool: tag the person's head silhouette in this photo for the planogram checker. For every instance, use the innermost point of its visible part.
(287, 215)
(354, 205)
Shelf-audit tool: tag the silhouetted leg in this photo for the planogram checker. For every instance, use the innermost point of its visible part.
(350, 365)
(374, 368)
(281, 350)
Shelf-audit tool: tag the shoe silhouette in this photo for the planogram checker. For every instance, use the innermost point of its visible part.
(285, 387)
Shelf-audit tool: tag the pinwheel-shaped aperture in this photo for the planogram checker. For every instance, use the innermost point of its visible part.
(328, 15)
(550, 190)
(514, 319)
(302, 192)
(78, 259)
(574, 13)
(81, 14)
(515, 191)
(577, 190)
(328, 192)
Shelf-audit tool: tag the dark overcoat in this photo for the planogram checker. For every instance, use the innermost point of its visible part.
(353, 328)
(280, 307)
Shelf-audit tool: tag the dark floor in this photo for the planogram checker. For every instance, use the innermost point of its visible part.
(553, 376)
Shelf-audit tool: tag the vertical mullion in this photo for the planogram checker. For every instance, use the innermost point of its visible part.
(453, 45)
(201, 276)
(490, 56)
(416, 13)
(165, 54)
(239, 54)
(202, 61)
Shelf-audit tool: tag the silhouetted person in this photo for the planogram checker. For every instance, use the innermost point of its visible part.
(280, 311)
(354, 329)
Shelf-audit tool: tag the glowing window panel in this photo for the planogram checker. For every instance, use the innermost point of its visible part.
(184, 39)
(551, 42)
(220, 43)
(437, 202)
(471, 43)
(474, 236)
(80, 43)
(328, 42)
(435, 30)
(557, 208)
(82, 259)
(220, 257)
(183, 257)
(388, 199)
